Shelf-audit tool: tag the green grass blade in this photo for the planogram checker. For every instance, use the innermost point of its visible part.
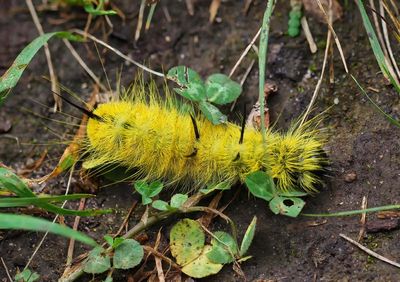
(24, 222)
(376, 47)
(27, 201)
(262, 60)
(354, 212)
(11, 182)
(387, 116)
(10, 78)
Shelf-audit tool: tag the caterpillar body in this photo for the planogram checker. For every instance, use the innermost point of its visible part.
(161, 141)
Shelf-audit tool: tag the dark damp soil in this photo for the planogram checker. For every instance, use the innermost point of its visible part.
(361, 142)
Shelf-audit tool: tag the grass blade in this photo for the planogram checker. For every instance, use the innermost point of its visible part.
(10, 78)
(262, 60)
(27, 201)
(376, 47)
(11, 182)
(387, 116)
(25, 222)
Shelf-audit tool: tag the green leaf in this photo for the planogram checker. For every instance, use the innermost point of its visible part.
(128, 254)
(27, 276)
(109, 239)
(220, 186)
(202, 266)
(99, 10)
(191, 85)
(212, 113)
(286, 206)
(97, 262)
(24, 222)
(26, 201)
(224, 248)
(148, 191)
(261, 185)
(155, 188)
(160, 205)
(118, 241)
(221, 89)
(108, 279)
(186, 241)
(10, 78)
(248, 237)
(178, 200)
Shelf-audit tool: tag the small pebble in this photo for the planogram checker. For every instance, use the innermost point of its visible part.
(5, 126)
(336, 101)
(350, 177)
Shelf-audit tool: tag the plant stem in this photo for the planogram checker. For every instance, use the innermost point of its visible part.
(262, 61)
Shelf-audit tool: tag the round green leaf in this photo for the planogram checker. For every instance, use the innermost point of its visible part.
(221, 89)
(160, 205)
(212, 113)
(261, 185)
(186, 241)
(286, 206)
(178, 200)
(97, 262)
(128, 254)
(202, 266)
(224, 248)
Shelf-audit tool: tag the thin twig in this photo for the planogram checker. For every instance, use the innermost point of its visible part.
(245, 52)
(84, 65)
(119, 53)
(363, 219)
(318, 86)
(307, 33)
(160, 255)
(392, 62)
(370, 252)
(71, 246)
(338, 45)
(54, 220)
(126, 219)
(53, 77)
(6, 269)
(140, 20)
(245, 75)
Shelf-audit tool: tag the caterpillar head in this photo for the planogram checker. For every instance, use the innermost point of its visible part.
(297, 160)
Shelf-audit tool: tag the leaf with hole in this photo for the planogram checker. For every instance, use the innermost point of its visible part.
(186, 241)
(128, 254)
(97, 262)
(221, 89)
(224, 248)
(286, 206)
(248, 237)
(212, 113)
(261, 185)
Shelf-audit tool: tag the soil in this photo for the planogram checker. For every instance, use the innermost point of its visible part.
(363, 147)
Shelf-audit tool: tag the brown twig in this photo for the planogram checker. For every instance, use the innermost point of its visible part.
(363, 219)
(161, 256)
(71, 245)
(6, 269)
(370, 252)
(53, 77)
(124, 223)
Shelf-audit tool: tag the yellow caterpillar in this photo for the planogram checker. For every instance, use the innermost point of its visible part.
(161, 141)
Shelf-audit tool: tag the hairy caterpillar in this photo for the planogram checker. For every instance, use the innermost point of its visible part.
(162, 141)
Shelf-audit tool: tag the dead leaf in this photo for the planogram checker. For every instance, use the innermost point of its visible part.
(214, 9)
